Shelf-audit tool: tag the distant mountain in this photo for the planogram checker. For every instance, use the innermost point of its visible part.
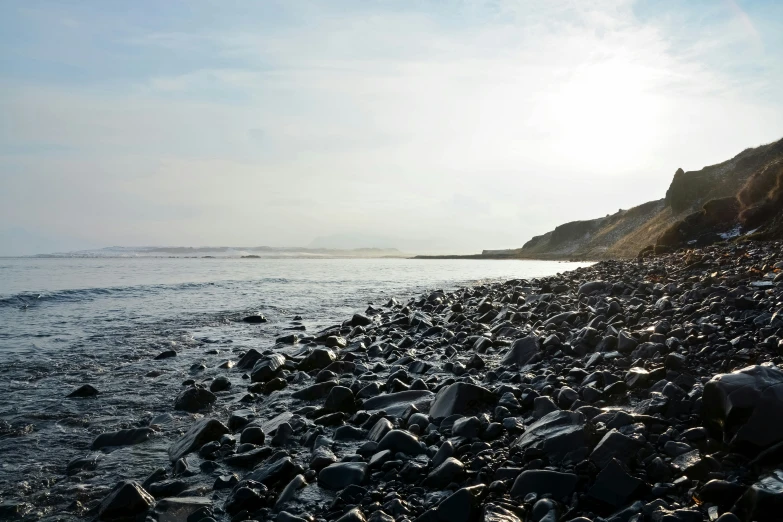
(18, 241)
(225, 251)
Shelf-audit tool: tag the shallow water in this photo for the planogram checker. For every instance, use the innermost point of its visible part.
(65, 322)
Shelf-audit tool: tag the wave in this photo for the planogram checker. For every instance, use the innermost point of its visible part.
(25, 300)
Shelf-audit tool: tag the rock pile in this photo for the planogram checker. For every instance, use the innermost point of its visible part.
(624, 392)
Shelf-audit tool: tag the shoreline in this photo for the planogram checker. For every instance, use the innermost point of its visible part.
(552, 396)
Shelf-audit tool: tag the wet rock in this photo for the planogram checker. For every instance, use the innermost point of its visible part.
(594, 287)
(89, 462)
(396, 403)
(252, 435)
(181, 508)
(544, 482)
(341, 475)
(467, 427)
(322, 457)
(127, 499)
(495, 513)
(737, 406)
(354, 515)
(561, 435)
(254, 319)
(265, 369)
(461, 506)
(314, 392)
(522, 351)
(166, 354)
(451, 470)
(400, 441)
(205, 430)
(763, 501)
(220, 384)
(275, 472)
(85, 390)
(340, 399)
(122, 438)
(317, 359)
(461, 398)
(614, 486)
(360, 320)
(722, 493)
(194, 400)
(288, 493)
(614, 445)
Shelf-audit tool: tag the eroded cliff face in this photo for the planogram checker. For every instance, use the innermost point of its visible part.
(737, 197)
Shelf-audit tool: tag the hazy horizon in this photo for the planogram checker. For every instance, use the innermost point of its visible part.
(427, 127)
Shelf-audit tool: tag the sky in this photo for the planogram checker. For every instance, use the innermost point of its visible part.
(430, 126)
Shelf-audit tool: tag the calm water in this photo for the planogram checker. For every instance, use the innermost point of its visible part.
(65, 322)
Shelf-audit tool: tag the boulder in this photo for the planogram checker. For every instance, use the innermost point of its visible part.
(265, 369)
(400, 441)
(561, 435)
(205, 430)
(522, 351)
(737, 407)
(763, 501)
(122, 438)
(254, 319)
(317, 359)
(614, 445)
(396, 403)
(85, 390)
(127, 499)
(194, 399)
(461, 398)
(543, 482)
(341, 475)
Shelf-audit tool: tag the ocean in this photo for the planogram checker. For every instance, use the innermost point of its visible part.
(65, 322)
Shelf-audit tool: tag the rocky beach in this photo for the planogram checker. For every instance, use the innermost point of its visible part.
(639, 390)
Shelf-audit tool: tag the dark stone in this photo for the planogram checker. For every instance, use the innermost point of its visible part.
(265, 369)
(85, 390)
(281, 470)
(254, 319)
(354, 515)
(205, 430)
(360, 320)
(452, 470)
(542, 482)
(614, 486)
(341, 475)
(396, 403)
(318, 359)
(340, 399)
(614, 445)
(495, 513)
(220, 384)
(522, 351)
(737, 407)
(122, 438)
(467, 427)
(461, 398)
(400, 441)
(127, 499)
(379, 430)
(763, 501)
(461, 506)
(194, 400)
(314, 392)
(249, 359)
(721, 493)
(561, 435)
(166, 354)
(252, 435)
(248, 459)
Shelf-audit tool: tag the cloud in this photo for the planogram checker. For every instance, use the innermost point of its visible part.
(276, 123)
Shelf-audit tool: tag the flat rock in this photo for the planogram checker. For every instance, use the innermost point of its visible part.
(205, 430)
(561, 435)
(396, 403)
(265, 369)
(122, 438)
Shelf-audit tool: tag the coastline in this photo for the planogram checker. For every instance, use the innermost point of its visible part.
(507, 398)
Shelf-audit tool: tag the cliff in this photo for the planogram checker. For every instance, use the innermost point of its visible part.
(738, 198)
